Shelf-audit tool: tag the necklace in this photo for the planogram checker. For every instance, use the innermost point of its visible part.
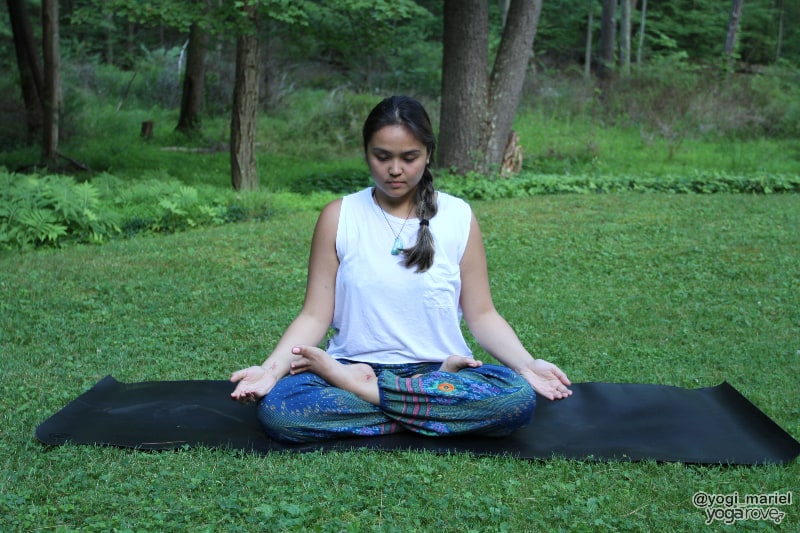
(397, 247)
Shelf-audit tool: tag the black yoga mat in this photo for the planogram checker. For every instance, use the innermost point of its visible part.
(601, 421)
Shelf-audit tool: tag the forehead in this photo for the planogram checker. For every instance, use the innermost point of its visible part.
(395, 138)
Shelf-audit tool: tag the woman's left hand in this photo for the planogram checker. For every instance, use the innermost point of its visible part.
(546, 379)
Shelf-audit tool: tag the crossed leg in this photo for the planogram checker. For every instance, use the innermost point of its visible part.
(358, 378)
(454, 363)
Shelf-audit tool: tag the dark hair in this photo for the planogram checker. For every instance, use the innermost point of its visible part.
(409, 113)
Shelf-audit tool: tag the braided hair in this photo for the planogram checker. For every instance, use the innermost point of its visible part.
(409, 113)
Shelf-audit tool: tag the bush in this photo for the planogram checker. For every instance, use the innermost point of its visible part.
(480, 188)
(44, 210)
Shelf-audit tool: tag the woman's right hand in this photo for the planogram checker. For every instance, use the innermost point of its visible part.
(253, 383)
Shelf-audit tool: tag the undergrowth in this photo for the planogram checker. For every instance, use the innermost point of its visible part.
(52, 210)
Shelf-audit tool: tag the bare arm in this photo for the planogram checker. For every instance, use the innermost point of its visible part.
(492, 331)
(311, 324)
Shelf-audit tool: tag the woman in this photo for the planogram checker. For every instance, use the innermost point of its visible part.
(397, 359)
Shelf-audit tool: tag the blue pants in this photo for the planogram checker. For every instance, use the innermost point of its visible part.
(489, 400)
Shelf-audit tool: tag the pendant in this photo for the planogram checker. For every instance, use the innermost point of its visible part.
(398, 246)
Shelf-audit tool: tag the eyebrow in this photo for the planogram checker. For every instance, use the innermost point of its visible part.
(378, 149)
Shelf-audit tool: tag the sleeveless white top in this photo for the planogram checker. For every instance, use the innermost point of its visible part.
(384, 311)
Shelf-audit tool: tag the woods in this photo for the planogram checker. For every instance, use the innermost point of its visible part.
(474, 58)
(163, 165)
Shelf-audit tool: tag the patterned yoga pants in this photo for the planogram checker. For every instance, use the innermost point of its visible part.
(489, 400)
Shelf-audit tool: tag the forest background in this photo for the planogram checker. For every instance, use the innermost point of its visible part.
(684, 95)
(649, 235)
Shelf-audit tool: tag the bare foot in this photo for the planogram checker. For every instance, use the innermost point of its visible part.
(454, 363)
(358, 378)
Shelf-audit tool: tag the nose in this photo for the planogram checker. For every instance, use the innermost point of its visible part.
(394, 168)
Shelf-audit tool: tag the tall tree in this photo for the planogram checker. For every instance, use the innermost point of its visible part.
(478, 109)
(625, 37)
(779, 39)
(29, 65)
(244, 174)
(608, 38)
(194, 80)
(52, 81)
(640, 47)
(733, 30)
(508, 77)
(465, 62)
(587, 55)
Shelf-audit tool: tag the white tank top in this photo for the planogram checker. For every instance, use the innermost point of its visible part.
(384, 311)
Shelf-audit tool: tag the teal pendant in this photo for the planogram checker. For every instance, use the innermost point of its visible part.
(398, 246)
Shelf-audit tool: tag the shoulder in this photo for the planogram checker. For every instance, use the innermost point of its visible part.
(328, 219)
(332, 209)
(450, 201)
(453, 206)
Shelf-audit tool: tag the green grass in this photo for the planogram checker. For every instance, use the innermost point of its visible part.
(566, 145)
(684, 290)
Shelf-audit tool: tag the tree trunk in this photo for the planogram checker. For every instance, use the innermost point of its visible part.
(508, 77)
(587, 56)
(193, 81)
(244, 175)
(52, 81)
(30, 68)
(779, 39)
(109, 37)
(733, 30)
(640, 48)
(465, 61)
(608, 27)
(625, 37)
(503, 5)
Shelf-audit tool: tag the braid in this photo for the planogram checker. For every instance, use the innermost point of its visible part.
(421, 254)
(409, 113)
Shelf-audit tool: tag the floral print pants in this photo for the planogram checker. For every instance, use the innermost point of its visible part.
(489, 400)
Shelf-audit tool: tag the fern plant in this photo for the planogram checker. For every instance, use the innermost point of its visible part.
(44, 210)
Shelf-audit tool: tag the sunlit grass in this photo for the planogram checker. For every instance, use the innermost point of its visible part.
(683, 290)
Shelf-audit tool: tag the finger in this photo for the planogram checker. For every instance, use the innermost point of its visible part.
(298, 366)
(562, 377)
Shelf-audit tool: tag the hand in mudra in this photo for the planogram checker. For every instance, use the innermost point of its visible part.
(253, 383)
(547, 379)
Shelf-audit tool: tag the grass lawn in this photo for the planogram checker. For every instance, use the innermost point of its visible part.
(683, 290)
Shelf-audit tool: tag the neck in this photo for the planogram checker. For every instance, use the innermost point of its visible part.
(401, 207)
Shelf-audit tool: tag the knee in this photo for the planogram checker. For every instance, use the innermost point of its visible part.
(278, 423)
(522, 405)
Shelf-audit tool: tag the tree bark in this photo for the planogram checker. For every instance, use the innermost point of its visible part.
(779, 39)
(587, 56)
(52, 81)
(30, 68)
(625, 37)
(733, 30)
(503, 5)
(465, 62)
(640, 48)
(508, 77)
(244, 175)
(193, 81)
(608, 28)
(477, 111)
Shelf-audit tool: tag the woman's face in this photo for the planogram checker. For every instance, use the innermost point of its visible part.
(396, 160)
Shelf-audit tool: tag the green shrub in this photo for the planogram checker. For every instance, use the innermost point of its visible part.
(338, 181)
(44, 210)
(476, 187)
